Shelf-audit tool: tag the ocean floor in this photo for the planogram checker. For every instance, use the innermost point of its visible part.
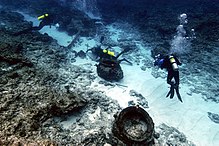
(189, 117)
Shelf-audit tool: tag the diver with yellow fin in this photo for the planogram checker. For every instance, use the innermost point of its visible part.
(170, 62)
(46, 19)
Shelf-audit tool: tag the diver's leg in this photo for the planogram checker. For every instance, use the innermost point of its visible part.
(125, 60)
(124, 51)
(170, 77)
(120, 54)
(176, 77)
(176, 86)
(41, 25)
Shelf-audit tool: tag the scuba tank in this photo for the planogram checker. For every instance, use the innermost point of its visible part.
(106, 51)
(42, 16)
(173, 63)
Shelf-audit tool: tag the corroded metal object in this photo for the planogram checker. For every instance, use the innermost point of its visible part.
(109, 70)
(134, 126)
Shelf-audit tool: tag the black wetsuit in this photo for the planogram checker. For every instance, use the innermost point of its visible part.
(171, 73)
(45, 21)
(105, 56)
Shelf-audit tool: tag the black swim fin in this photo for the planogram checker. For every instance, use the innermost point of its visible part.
(177, 92)
(168, 94)
(171, 92)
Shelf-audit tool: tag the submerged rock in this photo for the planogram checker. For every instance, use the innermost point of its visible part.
(27, 104)
(141, 100)
(170, 136)
(214, 117)
(81, 54)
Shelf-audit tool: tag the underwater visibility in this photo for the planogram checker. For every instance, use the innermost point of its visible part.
(109, 73)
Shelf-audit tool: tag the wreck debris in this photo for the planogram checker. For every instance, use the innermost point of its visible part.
(134, 126)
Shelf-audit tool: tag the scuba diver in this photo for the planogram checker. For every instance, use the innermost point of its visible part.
(46, 19)
(170, 62)
(100, 54)
(108, 67)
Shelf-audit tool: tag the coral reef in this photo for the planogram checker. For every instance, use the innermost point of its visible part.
(171, 136)
(141, 100)
(214, 117)
(26, 99)
(45, 101)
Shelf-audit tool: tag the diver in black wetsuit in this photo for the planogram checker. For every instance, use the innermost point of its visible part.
(46, 19)
(170, 62)
(101, 54)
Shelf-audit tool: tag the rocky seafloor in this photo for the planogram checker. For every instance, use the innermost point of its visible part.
(39, 92)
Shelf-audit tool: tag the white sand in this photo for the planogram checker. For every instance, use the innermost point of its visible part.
(189, 117)
(62, 38)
